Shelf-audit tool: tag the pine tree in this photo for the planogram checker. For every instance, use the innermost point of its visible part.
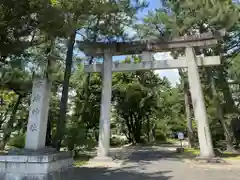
(181, 17)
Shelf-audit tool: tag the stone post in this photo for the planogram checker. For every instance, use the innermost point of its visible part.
(105, 112)
(147, 56)
(36, 161)
(38, 114)
(204, 135)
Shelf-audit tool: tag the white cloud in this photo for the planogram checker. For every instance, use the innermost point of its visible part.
(130, 31)
(159, 56)
(171, 74)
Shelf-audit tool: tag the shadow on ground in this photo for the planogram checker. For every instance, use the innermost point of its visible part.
(85, 173)
(148, 154)
(152, 156)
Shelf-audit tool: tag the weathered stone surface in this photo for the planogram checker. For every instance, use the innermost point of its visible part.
(136, 47)
(38, 114)
(154, 65)
(199, 108)
(214, 160)
(105, 111)
(41, 151)
(32, 159)
(51, 176)
(34, 167)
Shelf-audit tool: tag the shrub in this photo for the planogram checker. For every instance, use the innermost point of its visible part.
(76, 136)
(160, 136)
(118, 141)
(17, 141)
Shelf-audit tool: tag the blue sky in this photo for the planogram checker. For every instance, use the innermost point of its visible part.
(153, 4)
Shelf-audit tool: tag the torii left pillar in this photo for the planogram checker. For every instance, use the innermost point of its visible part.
(105, 112)
(103, 158)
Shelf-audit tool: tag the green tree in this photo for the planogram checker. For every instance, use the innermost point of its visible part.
(111, 14)
(189, 17)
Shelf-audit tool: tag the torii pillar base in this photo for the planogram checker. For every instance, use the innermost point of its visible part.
(213, 160)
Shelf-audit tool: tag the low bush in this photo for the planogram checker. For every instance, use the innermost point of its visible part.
(17, 141)
(117, 141)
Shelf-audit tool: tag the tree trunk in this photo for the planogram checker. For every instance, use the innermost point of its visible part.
(129, 132)
(88, 79)
(86, 93)
(49, 133)
(153, 132)
(148, 129)
(138, 127)
(230, 105)
(132, 128)
(229, 143)
(220, 115)
(64, 99)
(187, 108)
(189, 119)
(10, 123)
(48, 141)
(4, 116)
(96, 134)
(137, 135)
(229, 140)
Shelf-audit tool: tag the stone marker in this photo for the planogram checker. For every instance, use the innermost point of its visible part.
(36, 162)
(38, 114)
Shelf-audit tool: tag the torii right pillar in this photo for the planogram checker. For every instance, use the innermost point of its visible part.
(204, 135)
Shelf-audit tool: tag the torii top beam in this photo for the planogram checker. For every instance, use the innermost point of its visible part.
(137, 47)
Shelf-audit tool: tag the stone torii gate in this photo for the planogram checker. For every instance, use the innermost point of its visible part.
(190, 61)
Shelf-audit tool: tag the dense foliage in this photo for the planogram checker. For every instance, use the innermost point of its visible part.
(40, 37)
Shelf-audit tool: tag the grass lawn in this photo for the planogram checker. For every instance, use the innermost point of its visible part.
(80, 160)
(230, 156)
(191, 153)
(172, 141)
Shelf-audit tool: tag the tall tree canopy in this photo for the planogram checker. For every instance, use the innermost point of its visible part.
(41, 36)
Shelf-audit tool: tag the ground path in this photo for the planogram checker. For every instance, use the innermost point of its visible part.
(159, 163)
